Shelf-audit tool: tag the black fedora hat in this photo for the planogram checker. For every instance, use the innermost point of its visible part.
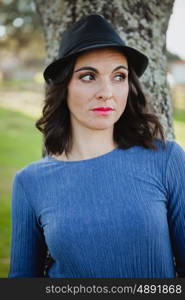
(92, 32)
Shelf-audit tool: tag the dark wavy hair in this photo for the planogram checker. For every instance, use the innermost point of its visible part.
(136, 126)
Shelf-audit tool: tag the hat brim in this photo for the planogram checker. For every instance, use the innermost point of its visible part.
(136, 59)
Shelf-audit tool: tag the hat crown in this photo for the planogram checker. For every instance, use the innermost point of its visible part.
(91, 29)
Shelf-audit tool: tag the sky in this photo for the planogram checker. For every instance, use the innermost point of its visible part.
(175, 41)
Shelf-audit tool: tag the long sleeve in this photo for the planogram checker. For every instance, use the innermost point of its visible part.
(175, 176)
(28, 248)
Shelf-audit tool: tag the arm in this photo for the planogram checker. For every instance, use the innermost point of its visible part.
(175, 179)
(28, 248)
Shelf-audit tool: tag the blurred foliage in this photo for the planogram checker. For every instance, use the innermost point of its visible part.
(20, 23)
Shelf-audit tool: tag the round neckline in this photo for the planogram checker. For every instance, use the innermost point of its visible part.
(105, 155)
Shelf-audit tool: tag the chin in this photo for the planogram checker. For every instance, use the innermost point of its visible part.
(100, 125)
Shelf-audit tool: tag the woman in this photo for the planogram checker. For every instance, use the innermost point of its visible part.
(108, 199)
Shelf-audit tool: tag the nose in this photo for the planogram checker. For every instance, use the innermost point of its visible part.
(105, 91)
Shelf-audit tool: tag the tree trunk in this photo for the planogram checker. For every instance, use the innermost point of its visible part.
(142, 24)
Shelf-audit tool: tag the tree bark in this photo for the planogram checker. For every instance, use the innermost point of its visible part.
(142, 24)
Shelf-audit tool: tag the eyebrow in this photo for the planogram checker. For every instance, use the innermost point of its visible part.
(96, 71)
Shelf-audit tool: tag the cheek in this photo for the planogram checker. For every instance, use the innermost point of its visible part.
(76, 97)
(121, 96)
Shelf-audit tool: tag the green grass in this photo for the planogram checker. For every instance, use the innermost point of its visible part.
(20, 143)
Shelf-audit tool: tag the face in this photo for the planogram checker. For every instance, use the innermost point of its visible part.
(100, 79)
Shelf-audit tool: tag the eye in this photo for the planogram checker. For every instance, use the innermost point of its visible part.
(87, 76)
(120, 77)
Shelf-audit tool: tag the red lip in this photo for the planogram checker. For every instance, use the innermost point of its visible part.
(103, 108)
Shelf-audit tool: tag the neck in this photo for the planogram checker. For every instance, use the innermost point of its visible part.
(91, 143)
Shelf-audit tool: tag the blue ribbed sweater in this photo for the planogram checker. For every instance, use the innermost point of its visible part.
(121, 214)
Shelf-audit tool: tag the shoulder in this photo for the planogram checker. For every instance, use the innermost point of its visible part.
(170, 147)
(162, 148)
(30, 171)
(173, 149)
(165, 153)
(170, 152)
(175, 157)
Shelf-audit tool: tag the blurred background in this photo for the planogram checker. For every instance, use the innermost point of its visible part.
(22, 60)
